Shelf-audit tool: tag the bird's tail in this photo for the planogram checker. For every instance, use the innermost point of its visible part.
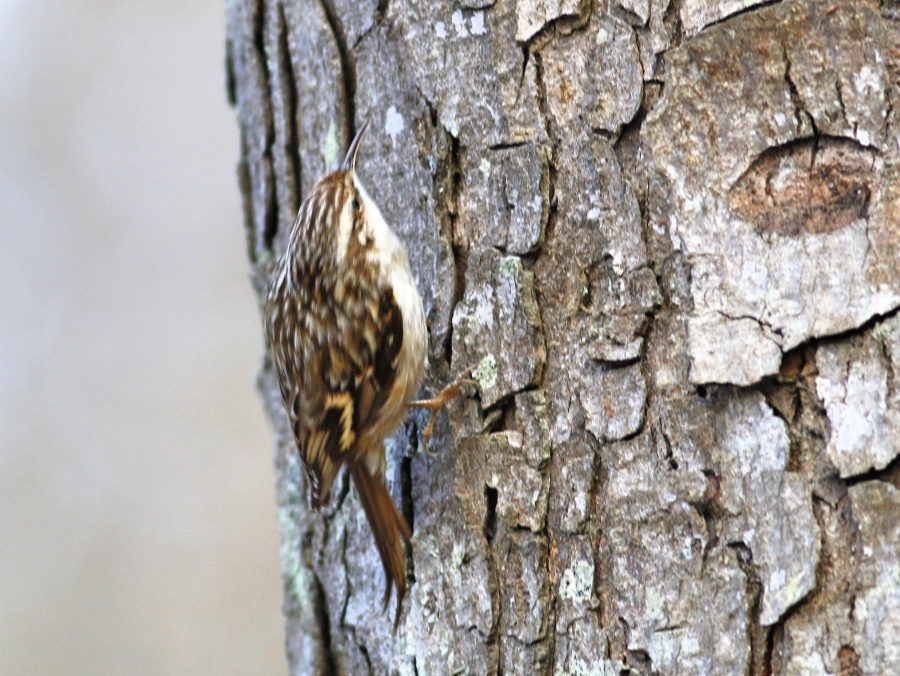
(387, 524)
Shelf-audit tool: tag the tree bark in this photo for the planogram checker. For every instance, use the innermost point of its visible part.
(665, 234)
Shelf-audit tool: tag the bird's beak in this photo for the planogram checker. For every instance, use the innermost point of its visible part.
(350, 161)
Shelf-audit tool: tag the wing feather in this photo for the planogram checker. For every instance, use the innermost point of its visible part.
(334, 386)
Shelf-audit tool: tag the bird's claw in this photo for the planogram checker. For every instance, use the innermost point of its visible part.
(435, 404)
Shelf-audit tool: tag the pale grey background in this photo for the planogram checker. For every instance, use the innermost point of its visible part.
(137, 519)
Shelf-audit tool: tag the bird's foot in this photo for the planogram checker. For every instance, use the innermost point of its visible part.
(448, 394)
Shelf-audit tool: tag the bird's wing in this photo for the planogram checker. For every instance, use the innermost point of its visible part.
(339, 383)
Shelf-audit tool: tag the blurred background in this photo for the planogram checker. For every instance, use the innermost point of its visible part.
(137, 518)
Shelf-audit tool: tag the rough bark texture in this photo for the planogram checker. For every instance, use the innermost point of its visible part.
(665, 234)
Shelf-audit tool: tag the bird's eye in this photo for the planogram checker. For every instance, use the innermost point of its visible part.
(355, 205)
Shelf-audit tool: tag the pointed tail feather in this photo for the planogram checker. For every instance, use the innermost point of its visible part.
(387, 524)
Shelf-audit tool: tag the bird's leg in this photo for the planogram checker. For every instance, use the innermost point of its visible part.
(435, 405)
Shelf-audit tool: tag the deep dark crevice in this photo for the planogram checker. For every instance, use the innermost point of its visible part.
(490, 518)
(861, 330)
(245, 184)
(343, 484)
(552, 212)
(365, 653)
(670, 455)
(631, 130)
(381, 10)
(890, 9)
(543, 106)
(796, 101)
(453, 177)
(889, 474)
(259, 44)
(640, 661)
(886, 351)
(552, 156)
(526, 55)
(292, 102)
(839, 90)
(230, 80)
(305, 544)
(270, 225)
(760, 639)
(508, 145)
(746, 10)
(406, 499)
(348, 67)
(710, 510)
(320, 603)
(494, 414)
(671, 19)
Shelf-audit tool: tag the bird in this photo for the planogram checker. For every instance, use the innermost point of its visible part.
(349, 340)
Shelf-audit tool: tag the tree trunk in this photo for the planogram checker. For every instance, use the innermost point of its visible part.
(665, 234)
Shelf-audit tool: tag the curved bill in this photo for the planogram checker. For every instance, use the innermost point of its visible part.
(350, 161)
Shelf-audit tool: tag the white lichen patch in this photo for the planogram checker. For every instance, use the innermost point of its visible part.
(291, 565)
(459, 23)
(476, 23)
(393, 123)
(330, 145)
(486, 372)
(577, 582)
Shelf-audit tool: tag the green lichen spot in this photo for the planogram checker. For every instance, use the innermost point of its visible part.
(884, 329)
(654, 603)
(577, 666)
(577, 582)
(330, 150)
(291, 565)
(473, 323)
(509, 267)
(485, 167)
(486, 372)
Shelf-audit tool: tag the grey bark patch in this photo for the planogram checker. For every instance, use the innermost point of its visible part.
(505, 201)
(496, 327)
(770, 509)
(583, 650)
(613, 401)
(858, 385)
(525, 603)
(571, 66)
(470, 69)
(864, 615)
(571, 484)
(521, 487)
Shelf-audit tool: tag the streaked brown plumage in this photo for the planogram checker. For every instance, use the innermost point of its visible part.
(349, 341)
